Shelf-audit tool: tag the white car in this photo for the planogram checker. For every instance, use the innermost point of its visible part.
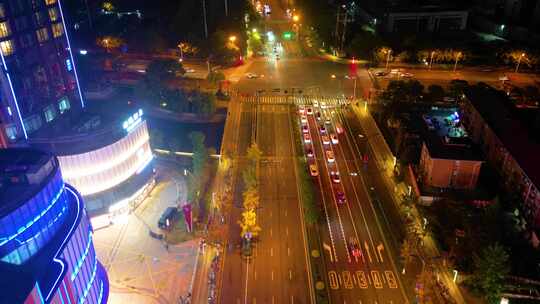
(302, 110)
(303, 119)
(325, 140)
(327, 121)
(309, 111)
(335, 177)
(315, 103)
(251, 76)
(334, 138)
(330, 156)
(307, 138)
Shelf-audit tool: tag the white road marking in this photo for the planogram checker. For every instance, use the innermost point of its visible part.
(290, 274)
(288, 251)
(271, 251)
(272, 275)
(292, 299)
(287, 231)
(270, 231)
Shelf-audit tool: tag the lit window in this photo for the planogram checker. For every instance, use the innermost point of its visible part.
(49, 2)
(11, 131)
(7, 47)
(63, 105)
(53, 14)
(58, 30)
(4, 29)
(42, 35)
(50, 113)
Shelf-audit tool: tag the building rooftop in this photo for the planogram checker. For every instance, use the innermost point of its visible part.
(446, 138)
(521, 141)
(95, 127)
(23, 171)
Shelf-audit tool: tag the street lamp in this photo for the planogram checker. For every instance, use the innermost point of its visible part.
(296, 18)
(431, 59)
(458, 55)
(388, 52)
(519, 61)
(232, 38)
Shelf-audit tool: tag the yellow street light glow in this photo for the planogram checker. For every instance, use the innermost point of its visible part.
(254, 30)
(333, 76)
(295, 18)
(232, 38)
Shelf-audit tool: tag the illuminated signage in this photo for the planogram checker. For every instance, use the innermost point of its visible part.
(133, 121)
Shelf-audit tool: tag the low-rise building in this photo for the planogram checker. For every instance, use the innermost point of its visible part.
(448, 157)
(510, 144)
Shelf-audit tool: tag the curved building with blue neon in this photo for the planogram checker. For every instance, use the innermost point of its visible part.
(46, 249)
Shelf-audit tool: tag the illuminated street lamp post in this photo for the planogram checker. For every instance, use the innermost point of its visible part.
(519, 61)
(431, 59)
(388, 51)
(458, 55)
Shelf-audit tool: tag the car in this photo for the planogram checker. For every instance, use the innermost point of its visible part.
(167, 217)
(407, 75)
(309, 153)
(339, 128)
(315, 103)
(301, 110)
(334, 139)
(380, 73)
(188, 70)
(394, 71)
(325, 140)
(309, 111)
(334, 175)
(307, 138)
(251, 76)
(323, 129)
(305, 129)
(330, 156)
(318, 115)
(323, 105)
(327, 121)
(303, 119)
(354, 247)
(313, 170)
(340, 197)
(277, 57)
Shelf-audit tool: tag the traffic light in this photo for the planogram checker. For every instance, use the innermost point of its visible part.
(287, 35)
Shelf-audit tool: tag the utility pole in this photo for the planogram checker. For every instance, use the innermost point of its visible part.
(88, 13)
(226, 8)
(344, 29)
(204, 18)
(337, 24)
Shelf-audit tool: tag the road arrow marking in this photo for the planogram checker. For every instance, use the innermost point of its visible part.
(367, 250)
(329, 249)
(380, 248)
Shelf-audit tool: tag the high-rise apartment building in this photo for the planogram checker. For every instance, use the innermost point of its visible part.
(38, 76)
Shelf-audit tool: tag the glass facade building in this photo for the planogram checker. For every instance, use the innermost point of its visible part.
(38, 77)
(47, 253)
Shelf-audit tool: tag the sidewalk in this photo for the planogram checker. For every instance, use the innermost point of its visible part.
(385, 162)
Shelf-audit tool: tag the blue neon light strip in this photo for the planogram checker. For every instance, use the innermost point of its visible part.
(67, 237)
(100, 293)
(30, 223)
(13, 94)
(89, 285)
(70, 53)
(82, 258)
(66, 292)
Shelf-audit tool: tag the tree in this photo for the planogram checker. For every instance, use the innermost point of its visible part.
(160, 71)
(200, 152)
(110, 42)
(248, 223)
(407, 250)
(251, 198)
(435, 92)
(156, 138)
(457, 87)
(383, 54)
(215, 76)
(490, 271)
(523, 57)
(254, 154)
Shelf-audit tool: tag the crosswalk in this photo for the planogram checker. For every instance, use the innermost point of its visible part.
(323, 101)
